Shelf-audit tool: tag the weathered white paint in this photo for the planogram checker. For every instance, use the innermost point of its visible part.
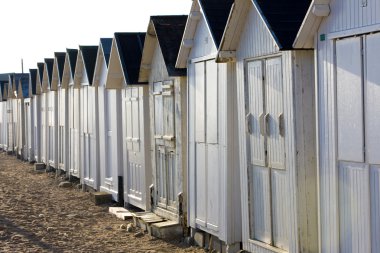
(168, 138)
(343, 183)
(74, 131)
(36, 109)
(213, 167)
(275, 115)
(52, 129)
(28, 123)
(63, 128)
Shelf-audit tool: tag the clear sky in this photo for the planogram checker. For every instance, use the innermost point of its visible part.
(35, 29)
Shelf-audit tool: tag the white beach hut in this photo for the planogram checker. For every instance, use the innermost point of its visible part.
(132, 100)
(3, 113)
(102, 117)
(42, 111)
(89, 141)
(30, 128)
(65, 114)
(345, 36)
(61, 110)
(213, 164)
(50, 101)
(276, 125)
(74, 119)
(23, 116)
(35, 86)
(168, 114)
(11, 115)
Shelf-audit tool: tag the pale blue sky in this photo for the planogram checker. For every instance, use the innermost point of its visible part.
(34, 30)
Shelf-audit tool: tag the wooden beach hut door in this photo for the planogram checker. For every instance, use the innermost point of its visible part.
(135, 169)
(62, 102)
(89, 139)
(10, 134)
(51, 133)
(265, 152)
(165, 152)
(74, 130)
(358, 142)
(27, 120)
(207, 156)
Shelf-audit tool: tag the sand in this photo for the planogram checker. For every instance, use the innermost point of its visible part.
(38, 216)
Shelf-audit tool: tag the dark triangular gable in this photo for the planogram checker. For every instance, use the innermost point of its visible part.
(89, 54)
(40, 67)
(60, 64)
(32, 82)
(130, 46)
(216, 14)
(23, 80)
(73, 54)
(106, 45)
(49, 67)
(169, 31)
(283, 18)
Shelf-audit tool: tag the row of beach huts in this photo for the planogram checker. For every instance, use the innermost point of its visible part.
(253, 122)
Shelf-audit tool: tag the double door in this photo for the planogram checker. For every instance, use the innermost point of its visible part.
(265, 152)
(358, 142)
(166, 173)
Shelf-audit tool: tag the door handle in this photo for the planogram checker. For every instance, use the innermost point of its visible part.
(248, 125)
(281, 125)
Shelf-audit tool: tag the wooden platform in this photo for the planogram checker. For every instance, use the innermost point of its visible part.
(151, 223)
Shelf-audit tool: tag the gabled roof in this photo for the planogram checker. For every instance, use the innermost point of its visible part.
(40, 67)
(49, 63)
(4, 91)
(283, 18)
(215, 13)
(22, 83)
(129, 47)
(60, 60)
(310, 25)
(106, 44)
(89, 54)
(168, 31)
(73, 54)
(32, 82)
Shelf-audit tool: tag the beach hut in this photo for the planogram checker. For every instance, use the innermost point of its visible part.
(74, 121)
(23, 109)
(276, 125)
(32, 91)
(61, 109)
(35, 88)
(49, 118)
(99, 82)
(3, 110)
(168, 114)
(132, 102)
(89, 141)
(65, 149)
(345, 36)
(11, 115)
(213, 164)
(41, 108)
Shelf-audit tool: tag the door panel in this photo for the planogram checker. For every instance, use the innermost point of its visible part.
(211, 102)
(349, 100)
(200, 102)
(260, 208)
(372, 101)
(201, 180)
(255, 113)
(274, 110)
(212, 186)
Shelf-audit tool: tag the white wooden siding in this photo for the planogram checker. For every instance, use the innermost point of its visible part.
(203, 41)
